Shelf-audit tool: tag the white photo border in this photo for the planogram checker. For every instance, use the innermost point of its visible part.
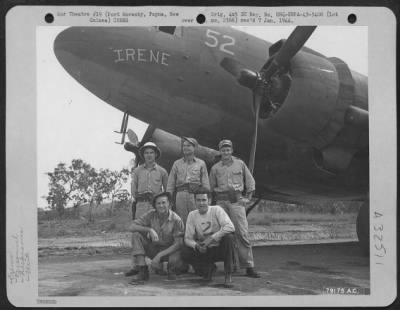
(21, 155)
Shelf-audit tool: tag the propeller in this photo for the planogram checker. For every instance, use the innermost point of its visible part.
(132, 136)
(134, 144)
(257, 100)
(259, 82)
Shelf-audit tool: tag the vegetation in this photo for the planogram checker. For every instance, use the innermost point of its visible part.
(80, 183)
(117, 218)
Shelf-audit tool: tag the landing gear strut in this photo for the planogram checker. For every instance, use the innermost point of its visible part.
(363, 226)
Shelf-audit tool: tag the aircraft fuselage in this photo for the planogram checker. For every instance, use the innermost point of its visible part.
(174, 81)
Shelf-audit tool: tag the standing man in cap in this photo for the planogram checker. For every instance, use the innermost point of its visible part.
(148, 180)
(229, 178)
(187, 174)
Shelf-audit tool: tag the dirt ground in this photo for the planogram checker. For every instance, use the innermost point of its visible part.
(81, 259)
(285, 270)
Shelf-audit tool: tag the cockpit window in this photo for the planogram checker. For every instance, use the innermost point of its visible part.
(172, 30)
(167, 29)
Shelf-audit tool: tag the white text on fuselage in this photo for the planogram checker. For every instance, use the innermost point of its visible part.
(141, 55)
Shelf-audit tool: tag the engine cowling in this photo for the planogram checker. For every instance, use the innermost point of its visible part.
(326, 107)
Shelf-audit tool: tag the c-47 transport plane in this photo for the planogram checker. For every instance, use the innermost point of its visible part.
(298, 118)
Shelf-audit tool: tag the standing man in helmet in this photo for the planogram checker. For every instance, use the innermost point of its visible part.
(187, 174)
(148, 180)
(230, 179)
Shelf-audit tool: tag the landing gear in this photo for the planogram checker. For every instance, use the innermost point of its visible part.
(363, 226)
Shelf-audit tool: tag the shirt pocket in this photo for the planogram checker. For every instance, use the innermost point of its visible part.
(194, 173)
(237, 177)
(156, 178)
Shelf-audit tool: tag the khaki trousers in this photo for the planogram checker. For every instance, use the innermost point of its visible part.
(184, 204)
(143, 246)
(141, 208)
(237, 214)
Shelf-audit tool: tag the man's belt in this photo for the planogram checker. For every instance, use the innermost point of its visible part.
(188, 187)
(231, 196)
(148, 196)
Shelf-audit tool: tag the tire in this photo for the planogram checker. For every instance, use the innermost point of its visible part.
(363, 226)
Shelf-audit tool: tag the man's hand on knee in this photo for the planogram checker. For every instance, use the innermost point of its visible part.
(153, 235)
(201, 248)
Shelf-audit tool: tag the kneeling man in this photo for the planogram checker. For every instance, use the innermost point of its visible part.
(209, 237)
(158, 234)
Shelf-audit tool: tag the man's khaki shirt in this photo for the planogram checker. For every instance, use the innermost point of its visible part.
(183, 172)
(169, 231)
(145, 180)
(234, 176)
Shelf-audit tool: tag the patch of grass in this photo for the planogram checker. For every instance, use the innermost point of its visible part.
(119, 222)
(267, 213)
(61, 232)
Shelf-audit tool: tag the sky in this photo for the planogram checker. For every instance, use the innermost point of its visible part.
(74, 123)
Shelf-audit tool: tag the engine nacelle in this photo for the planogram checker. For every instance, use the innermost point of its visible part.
(321, 91)
(326, 107)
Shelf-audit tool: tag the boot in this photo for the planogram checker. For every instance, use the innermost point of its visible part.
(132, 272)
(143, 275)
(250, 272)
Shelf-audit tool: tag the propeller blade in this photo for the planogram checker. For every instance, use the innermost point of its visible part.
(257, 103)
(132, 136)
(134, 144)
(148, 134)
(130, 147)
(292, 45)
(248, 210)
(231, 65)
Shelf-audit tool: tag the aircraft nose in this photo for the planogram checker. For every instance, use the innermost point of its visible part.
(72, 41)
(79, 51)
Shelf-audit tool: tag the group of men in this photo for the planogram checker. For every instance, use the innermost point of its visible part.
(197, 233)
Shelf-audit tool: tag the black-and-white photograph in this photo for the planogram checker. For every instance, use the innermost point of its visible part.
(183, 161)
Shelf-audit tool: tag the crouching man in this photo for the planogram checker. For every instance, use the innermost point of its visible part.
(158, 234)
(209, 237)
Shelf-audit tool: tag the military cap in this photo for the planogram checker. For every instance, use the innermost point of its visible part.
(192, 141)
(223, 143)
(162, 194)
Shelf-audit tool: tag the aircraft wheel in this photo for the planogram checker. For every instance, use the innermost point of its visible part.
(363, 226)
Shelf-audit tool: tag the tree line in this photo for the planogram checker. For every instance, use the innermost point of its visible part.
(80, 183)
